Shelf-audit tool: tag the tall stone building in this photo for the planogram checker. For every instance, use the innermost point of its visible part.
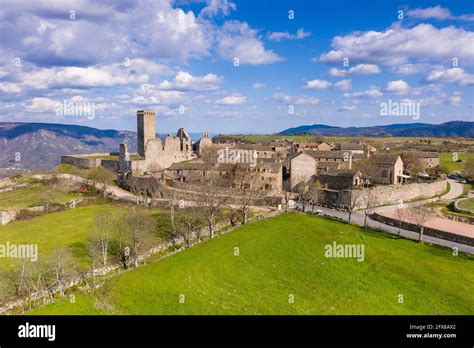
(155, 154)
(146, 129)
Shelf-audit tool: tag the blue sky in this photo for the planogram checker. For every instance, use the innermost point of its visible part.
(179, 59)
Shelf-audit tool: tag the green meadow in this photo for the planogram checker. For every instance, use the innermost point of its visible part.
(278, 266)
(69, 228)
(447, 164)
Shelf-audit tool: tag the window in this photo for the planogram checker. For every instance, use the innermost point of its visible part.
(384, 173)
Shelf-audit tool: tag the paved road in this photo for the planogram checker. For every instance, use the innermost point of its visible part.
(455, 190)
(358, 219)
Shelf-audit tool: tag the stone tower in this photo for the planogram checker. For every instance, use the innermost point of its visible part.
(146, 129)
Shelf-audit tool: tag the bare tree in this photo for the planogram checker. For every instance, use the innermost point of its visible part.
(47, 195)
(420, 215)
(7, 289)
(286, 195)
(356, 200)
(370, 203)
(103, 230)
(304, 197)
(140, 228)
(400, 214)
(412, 163)
(190, 224)
(314, 198)
(245, 180)
(17, 276)
(212, 201)
(60, 270)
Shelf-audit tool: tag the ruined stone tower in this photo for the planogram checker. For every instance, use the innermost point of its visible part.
(146, 129)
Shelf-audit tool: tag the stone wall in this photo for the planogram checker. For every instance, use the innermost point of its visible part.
(83, 161)
(461, 210)
(7, 216)
(395, 194)
(112, 165)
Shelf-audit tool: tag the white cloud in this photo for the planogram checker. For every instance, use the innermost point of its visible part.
(348, 107)
(9, 87)
(343, 85)
(216, 7)
(258, 85)
(284, 35)
(184, 81)
(411, 69)
(40, 104)
(397, 87)
(372, 92)
(138, 71)
(103, 32)
(296, 100)
(358, 69)
(454, 75)
(317, 84)
(436, 12)
(237, 40)
(455, 99)
(398, 45)
(149, 94)
(235, 99)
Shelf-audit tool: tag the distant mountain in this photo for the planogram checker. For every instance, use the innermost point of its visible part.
(41, 145)
(448, 129)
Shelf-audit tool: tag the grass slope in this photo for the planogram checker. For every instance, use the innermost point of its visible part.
(448, 165)
(284, 256)
(29, 197)
(52, 231)
(467, 204)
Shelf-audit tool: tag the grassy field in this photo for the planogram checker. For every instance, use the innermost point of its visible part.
(467, 204)
(448, 165)
(69, 228)
(281, 259)
(31, 196)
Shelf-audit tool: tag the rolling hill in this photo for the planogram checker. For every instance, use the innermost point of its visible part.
(448, 129)
(41, 144)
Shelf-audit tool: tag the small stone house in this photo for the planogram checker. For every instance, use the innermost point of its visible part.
(386, 170)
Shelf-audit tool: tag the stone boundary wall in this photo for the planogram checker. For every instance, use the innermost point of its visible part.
(394, 194)
(458, 209)
(427, 231)
(81, 162)
(110, 164)
(11, 188)
(10, 215)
